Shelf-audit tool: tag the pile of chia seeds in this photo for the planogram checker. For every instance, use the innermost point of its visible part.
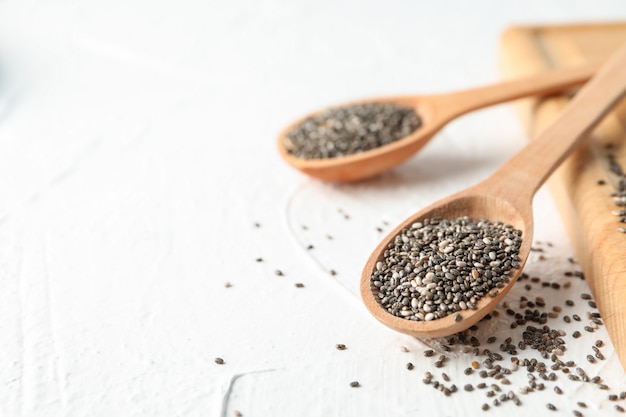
(348, 130)
(440, 266)
(530, 361)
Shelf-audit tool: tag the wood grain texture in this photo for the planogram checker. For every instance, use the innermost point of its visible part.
(584, 205)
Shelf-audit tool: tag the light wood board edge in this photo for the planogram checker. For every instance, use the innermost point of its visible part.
(584, 206)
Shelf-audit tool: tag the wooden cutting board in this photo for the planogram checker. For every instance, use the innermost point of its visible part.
(584, 202)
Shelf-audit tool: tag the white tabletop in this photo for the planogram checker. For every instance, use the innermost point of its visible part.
(137, 152)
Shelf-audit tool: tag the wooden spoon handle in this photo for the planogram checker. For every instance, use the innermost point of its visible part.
(549, 82)
(521, 176)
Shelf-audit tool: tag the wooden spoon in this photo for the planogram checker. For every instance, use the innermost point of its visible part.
(435, 112)
(507, 194)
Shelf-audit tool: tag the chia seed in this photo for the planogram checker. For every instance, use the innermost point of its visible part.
(438, 267)
(351, 129)
(355, 384)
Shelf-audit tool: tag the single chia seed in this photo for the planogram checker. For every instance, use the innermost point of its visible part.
(355, 384)
(438, 267)
(219, 361)
(299, 285)
(340, 346)
(351, 129)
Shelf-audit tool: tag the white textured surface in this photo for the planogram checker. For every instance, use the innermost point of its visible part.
(136, 152)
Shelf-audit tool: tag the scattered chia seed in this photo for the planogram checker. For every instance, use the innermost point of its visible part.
(340, 346)
(259, 259)
(333, 272)
(278, 272)
(351, 129)
(438, 266)
(299, 285)
(409, 366)
(551, 407)
(227, 285)
(485, 407)
(219, 361)
(355, 384)
(619, 408)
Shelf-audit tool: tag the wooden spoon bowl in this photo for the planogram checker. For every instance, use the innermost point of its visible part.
(475, 204)
(435, 111)
(375, 161)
